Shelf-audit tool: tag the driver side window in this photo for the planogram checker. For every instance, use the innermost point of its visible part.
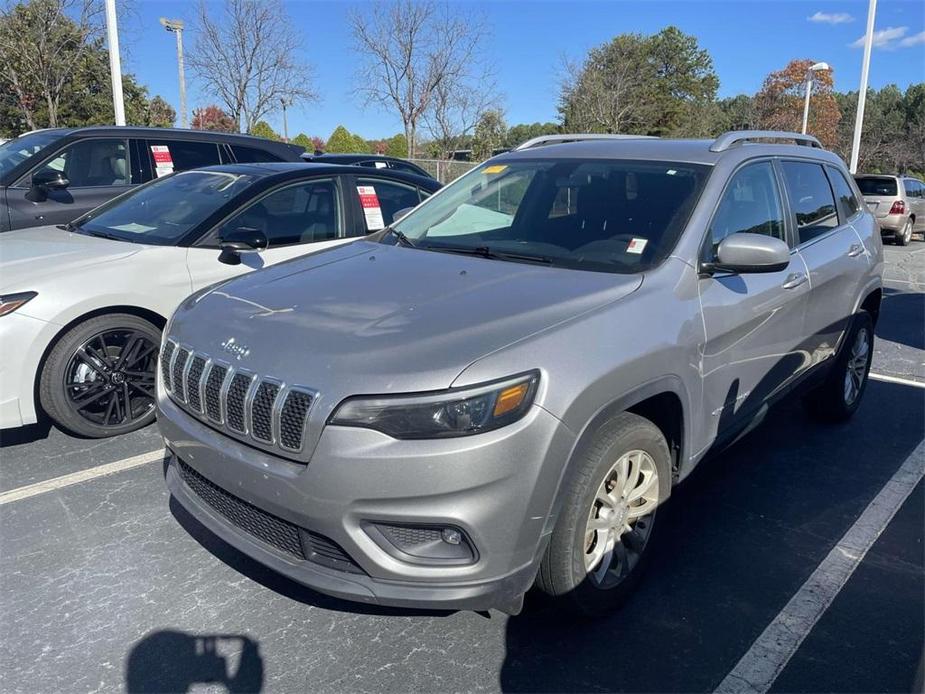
(301, 213)
(750, 204)
(92, 163)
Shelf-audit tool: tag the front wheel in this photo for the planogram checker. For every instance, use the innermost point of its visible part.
(98, 380)
(840, 395)
(602, 540)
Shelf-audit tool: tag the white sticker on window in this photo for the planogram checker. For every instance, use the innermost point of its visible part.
(371, 209)
(636, 246)
(163, 162)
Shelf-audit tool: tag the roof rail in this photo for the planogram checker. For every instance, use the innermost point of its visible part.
(544, 140)
(735, 137)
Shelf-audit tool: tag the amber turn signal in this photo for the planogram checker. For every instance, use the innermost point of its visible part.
(510, 399)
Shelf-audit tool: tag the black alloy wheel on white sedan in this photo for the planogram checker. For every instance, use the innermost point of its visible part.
(99, 378)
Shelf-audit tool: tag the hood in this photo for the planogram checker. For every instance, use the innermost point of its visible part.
(30, 255)
(367, 318)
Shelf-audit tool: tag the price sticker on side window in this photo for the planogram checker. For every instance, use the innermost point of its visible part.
(372, 211)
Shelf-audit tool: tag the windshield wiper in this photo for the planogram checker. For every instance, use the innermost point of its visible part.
(486, 252)
(98, 234)
(70, 226)
(400, 235)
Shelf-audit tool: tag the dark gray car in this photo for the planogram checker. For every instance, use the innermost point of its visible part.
(502, 388)
(54, 176)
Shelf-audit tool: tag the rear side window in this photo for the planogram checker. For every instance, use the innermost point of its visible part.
(181, 155)
(751, 204)
(847, 201)
(876, 185)
(391, 196)
(914, 188)
(252, 155)
(811, 199)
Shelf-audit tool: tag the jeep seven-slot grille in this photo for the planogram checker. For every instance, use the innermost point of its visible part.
(277, 532)
(176, 375)
(165, 362)
(236, 401)
(192, 379)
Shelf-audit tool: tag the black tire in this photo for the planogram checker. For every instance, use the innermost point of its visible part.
(904, 235)
(830, 402)
(77, 386)
(563, 574)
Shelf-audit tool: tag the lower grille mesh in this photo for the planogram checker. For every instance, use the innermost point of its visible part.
(279, 533)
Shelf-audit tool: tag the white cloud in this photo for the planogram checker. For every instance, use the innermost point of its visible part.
(914, 40)
(831, 18)
(884, 38)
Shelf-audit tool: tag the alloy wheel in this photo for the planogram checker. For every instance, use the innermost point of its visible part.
(621, 519)
(856, 370)
(109, 380)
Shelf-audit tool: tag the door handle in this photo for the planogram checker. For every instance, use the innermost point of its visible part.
(794, 280)
(855, 250)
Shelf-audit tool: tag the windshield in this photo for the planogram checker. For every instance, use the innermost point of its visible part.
(601, 215)
(165, 210)
(19, 149)
(871, 185)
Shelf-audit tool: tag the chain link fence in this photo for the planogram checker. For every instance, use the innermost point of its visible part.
(444, 170)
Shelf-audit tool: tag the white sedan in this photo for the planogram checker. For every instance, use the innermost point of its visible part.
(82, 305)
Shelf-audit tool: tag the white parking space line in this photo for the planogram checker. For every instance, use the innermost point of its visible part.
(896, 379)
(81, 476)
(757, 670)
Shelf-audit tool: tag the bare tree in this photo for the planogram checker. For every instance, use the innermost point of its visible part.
(409, 50)
(41, 44)
(456, 108)
(598, 95)
(245, 57)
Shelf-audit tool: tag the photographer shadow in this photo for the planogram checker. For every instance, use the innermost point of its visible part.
(173, 661)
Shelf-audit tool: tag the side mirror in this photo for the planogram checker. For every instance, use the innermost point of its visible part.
(241, 240)
(746, 253)
(45, 180)
(401, 213)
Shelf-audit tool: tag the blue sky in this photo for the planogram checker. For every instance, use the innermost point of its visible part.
(747, 39)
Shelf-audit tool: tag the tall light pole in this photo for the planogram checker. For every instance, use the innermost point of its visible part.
(115, 64)
(176, 26)
(285, 101)
(862, 91)
(810, 76)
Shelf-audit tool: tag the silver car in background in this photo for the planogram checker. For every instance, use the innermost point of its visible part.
(500, 389)
(898, 203)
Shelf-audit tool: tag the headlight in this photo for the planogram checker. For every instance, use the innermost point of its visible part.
(11, 302)
(459, 412)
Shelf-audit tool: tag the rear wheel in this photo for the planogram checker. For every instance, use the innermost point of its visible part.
(840, 395)
(904, 236)
(98, 381)
(601, 543)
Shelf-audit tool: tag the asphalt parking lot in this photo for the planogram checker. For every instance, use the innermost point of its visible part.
(106, 585)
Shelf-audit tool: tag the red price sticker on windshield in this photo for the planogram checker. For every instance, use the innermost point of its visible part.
(371, 208)
(163, 162)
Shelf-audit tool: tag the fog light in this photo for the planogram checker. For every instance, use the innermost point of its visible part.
(423, 544)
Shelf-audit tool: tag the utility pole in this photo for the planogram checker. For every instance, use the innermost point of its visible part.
(115, 64)
(285, 101)
(176, 26)
(862, 91)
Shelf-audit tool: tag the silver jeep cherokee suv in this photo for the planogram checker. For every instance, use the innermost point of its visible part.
(500, 390)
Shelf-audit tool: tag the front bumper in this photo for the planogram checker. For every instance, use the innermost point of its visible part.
(496, 487)
(23, 341)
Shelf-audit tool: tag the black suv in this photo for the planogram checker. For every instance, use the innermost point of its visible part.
(376, 161)
(53, 176)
